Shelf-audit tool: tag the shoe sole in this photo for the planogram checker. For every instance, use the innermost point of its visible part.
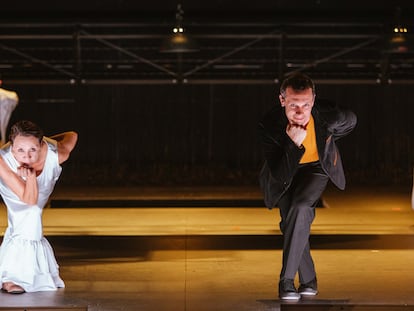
(308, 294)
(289, 298)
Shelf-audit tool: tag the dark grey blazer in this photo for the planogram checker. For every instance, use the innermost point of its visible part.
(282, 156)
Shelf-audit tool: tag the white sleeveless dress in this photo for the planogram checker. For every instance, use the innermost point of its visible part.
(26, 257)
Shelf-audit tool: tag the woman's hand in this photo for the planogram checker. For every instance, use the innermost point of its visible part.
(25, 171)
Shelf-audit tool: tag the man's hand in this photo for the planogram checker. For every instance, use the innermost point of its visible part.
(296, 133)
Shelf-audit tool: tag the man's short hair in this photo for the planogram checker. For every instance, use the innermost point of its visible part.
(297, 81)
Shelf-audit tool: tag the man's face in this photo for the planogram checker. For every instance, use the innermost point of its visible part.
(298, 105)
(26, 149)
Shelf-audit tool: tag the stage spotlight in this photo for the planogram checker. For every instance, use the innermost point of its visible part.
(398, 42)
(178, 41)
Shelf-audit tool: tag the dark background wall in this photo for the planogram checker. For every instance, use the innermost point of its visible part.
(181, 134)
(206, 134)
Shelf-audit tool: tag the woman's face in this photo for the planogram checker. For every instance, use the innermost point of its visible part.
(26, 150)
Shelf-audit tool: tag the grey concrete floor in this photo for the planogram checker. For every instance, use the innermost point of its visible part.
(223, 258)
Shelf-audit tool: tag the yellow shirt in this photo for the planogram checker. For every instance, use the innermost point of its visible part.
(311, 150)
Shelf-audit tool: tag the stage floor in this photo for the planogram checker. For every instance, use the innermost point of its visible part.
(216, 258)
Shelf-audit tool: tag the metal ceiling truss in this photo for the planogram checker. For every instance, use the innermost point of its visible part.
(116, 53)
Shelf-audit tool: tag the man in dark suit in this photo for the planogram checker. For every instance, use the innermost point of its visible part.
(298, 138)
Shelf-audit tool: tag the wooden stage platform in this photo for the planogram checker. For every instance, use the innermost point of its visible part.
(219, 256)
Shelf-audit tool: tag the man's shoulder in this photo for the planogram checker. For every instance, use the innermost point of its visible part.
(324, 104)
(327, 110)
(273, 116)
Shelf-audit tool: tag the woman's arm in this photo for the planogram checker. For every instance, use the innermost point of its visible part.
(26, 189)
(65, 143)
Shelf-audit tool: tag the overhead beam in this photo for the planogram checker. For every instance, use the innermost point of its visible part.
(36, 60)
(200, 82)
(335, 55)
(133, 55)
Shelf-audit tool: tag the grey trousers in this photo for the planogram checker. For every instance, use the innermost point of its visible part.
(297, 212)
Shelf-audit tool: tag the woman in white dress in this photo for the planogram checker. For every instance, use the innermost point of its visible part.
(29, 169)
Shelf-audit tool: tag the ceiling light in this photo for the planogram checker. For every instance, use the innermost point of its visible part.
(398, 41)
(178, 41)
